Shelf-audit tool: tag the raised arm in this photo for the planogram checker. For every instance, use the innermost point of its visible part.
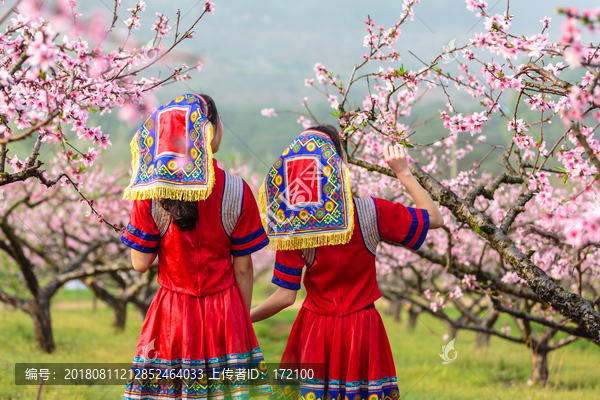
(395, 156)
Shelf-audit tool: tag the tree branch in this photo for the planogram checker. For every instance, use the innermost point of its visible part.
(578, 309)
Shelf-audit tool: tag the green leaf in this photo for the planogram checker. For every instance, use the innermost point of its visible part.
(565, 178)
(336, 113)
(348, 129)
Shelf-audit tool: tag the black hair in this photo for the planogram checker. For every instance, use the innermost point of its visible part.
(213, 113)
(333, 134)
(185, 213)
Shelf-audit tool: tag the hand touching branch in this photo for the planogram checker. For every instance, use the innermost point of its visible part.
(395, 156)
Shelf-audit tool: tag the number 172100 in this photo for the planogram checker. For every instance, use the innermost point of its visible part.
(293, 373)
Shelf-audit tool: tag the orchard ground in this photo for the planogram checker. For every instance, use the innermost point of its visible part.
(84, 335)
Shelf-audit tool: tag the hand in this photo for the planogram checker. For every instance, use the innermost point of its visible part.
(395, 156)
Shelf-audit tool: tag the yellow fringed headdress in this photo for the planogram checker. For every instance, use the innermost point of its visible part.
(305, 200)
(171, 153)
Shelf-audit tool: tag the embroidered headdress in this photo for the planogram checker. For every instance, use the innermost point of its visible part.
(305, 200)
(171, 153)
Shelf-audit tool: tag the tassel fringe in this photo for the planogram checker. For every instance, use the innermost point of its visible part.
(166, 191)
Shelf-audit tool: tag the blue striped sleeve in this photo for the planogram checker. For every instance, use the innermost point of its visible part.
(141, 234)
(138, 247)
(285, 284)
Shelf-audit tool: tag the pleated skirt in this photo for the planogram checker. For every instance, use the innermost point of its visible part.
(196, 348)
(350, 357)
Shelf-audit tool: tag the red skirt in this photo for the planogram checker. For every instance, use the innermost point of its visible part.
(350, 354)
(189, 344)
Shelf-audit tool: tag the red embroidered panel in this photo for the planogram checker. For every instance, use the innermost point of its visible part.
(303, 183)
(172, 125)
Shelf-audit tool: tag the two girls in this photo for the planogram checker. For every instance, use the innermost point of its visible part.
(203, 224)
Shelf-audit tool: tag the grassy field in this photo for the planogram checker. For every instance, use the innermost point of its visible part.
(85, 335)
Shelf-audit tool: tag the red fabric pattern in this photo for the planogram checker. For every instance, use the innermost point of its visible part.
(248, 233)
(198, 262)
(199, 312)
(398, 223)
(341, 280)
(337, 324)
(287, 277)
(141, 242)
(173, 127)
(354, 347)
(197, 328)
(302, 180)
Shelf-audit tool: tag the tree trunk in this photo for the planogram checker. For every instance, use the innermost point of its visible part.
(395, 310)
(413, 315)
(120, 309)
(39, 309)
(482, 340)
(451, 330)
(117, 304)
(539, 366)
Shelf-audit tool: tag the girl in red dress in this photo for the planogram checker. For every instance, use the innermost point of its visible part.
(338, 330)
(203, 224)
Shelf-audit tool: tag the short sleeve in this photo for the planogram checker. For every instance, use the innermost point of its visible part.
(288, 269)
(248, 236)
(400, 224)
(141, 233)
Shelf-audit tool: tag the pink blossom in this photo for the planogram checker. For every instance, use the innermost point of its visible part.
(268, 112)
(517, 125)
(42, 51)
(306, 123)
(209, 6)
(333, 100)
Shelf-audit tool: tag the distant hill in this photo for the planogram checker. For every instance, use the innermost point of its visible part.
(257, 54)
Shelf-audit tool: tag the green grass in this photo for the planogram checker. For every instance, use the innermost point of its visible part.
(84, 335)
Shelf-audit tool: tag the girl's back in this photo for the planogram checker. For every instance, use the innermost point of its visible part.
(202, 224)
(342, 279)
(198, 262)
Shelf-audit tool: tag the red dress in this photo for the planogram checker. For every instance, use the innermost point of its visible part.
(198, 318)
(338, 325)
